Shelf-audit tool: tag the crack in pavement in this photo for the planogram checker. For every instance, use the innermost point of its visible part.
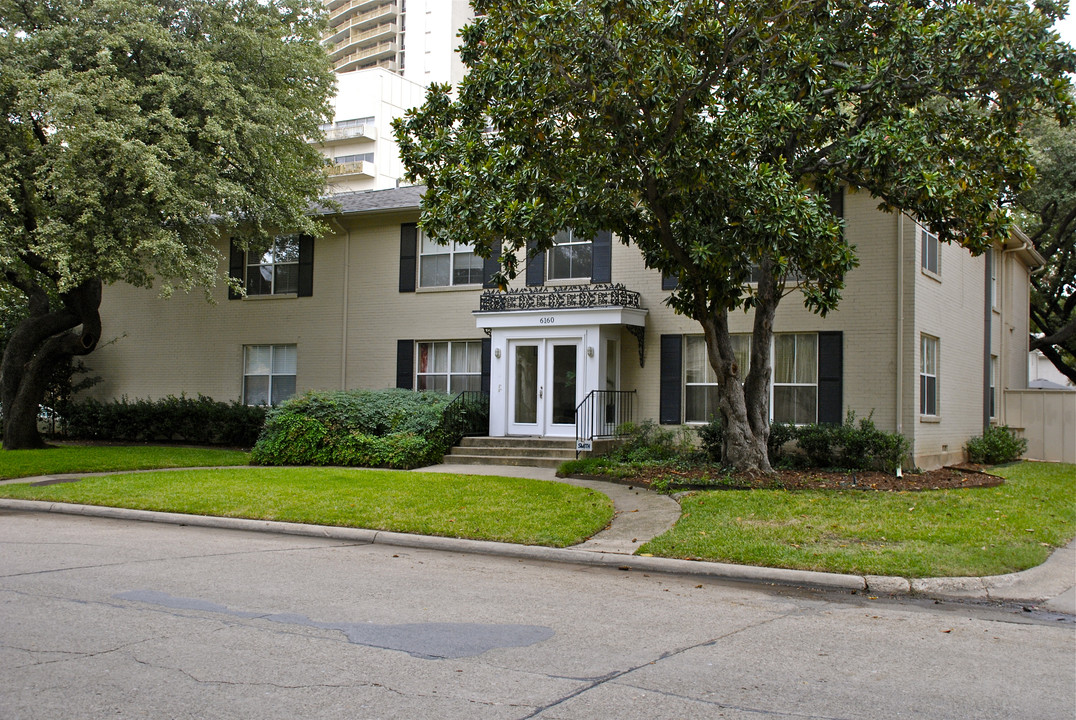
(75, 655)
(337, 544)
(610, 677)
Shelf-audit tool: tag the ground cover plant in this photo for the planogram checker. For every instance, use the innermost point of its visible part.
(516, 510)
(951, 532)
(71, 458)
(370, 428)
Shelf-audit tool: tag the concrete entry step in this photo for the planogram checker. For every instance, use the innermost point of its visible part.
(520, 451)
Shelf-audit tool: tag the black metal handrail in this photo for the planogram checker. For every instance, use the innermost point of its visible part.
(601, 415)
(466, 415)
(559, 297)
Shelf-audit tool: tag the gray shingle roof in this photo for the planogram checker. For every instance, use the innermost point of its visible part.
(371, 201)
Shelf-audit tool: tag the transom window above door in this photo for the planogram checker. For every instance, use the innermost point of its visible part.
(274, 271)
(453, 263)
(571, 257)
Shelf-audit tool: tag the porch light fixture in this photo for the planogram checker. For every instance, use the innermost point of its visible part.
(497, 353)
(590, 351)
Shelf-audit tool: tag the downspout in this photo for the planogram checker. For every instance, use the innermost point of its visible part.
(900, 323)
(344, 304)
(988, 326)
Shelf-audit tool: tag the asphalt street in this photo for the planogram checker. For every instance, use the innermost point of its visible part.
(122, 619)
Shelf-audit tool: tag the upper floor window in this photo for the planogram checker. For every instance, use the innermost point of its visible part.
(268, 374)
(992, 258)
(928, 375)
(451, 264)
(571, 257)
(931, 250)
(276, 270)
(358, 157)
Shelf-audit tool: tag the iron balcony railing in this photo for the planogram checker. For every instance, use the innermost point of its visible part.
(559, 297)
(601, 415)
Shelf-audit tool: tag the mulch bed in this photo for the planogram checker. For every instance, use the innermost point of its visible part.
(957, 476)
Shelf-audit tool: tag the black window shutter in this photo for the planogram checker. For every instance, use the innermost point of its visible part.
(306, 266)
(405, 364)
(491, 266)
(408, 256)
(236, 266)
(836, 202)
(669, 282)
(672, 347)
(830, 377)
(487, 363)
(602, 254)
(535, 267)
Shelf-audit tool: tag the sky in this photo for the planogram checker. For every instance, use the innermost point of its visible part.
(1067, 27)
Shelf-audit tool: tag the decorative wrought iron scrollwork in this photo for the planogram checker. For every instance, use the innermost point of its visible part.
(559, 297)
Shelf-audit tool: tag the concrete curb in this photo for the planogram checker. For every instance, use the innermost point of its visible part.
(1036, 585)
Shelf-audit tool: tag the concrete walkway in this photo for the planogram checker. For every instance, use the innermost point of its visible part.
(639, 516)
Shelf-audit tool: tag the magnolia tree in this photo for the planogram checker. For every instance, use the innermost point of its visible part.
(714, 134)
(132, 135)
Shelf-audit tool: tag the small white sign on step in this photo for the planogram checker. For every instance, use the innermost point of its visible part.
(584, 445)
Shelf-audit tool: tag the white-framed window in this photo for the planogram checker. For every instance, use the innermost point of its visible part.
(930, 248)
(571, 257)
(268, 374)
(444, 265)
(452, 366)
(928, 375)
(795, 378)
(700, 383)
(993, 258)
(993, 385)
(276, 270)
(356, 157)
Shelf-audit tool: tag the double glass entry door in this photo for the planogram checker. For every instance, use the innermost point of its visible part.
(543, 386)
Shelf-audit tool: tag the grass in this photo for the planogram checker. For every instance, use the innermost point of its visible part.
(107, 458)
(967, 532)
(531, 512)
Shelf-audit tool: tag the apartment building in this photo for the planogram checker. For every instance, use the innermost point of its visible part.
(928, 339)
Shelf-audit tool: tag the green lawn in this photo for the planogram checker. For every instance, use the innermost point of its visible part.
(531, 512)
(105, 458)
(978, 531)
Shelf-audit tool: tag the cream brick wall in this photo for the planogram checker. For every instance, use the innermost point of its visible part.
(347, 333)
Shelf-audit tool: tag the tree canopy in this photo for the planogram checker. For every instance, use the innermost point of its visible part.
(713, 136)
(133, 135)
(1048, 214)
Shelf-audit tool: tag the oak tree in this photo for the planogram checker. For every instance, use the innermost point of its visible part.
(132, 135)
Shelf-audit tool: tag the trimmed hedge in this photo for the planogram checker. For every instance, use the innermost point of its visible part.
(391, 428)
(199, 421)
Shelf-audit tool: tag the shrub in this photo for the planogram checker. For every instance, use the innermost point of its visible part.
(369, 428)
(712, 438)
(648, 442)
(997, 445)
(200, 420)
(780, 434)
(852, 446)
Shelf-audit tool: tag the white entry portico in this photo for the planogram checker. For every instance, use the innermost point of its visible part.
(546, 360)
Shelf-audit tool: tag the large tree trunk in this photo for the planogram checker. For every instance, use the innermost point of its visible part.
(45, 339)
(744, 401)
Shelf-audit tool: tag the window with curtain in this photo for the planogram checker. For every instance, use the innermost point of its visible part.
(700, 383)
(268, 374)
(795, 378)
(450, 367)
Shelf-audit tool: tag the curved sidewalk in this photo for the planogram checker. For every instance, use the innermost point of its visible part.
(639, 516)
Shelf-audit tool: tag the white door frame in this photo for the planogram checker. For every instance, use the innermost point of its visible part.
(531, 402)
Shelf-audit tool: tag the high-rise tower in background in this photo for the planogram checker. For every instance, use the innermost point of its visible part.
(385, 53)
